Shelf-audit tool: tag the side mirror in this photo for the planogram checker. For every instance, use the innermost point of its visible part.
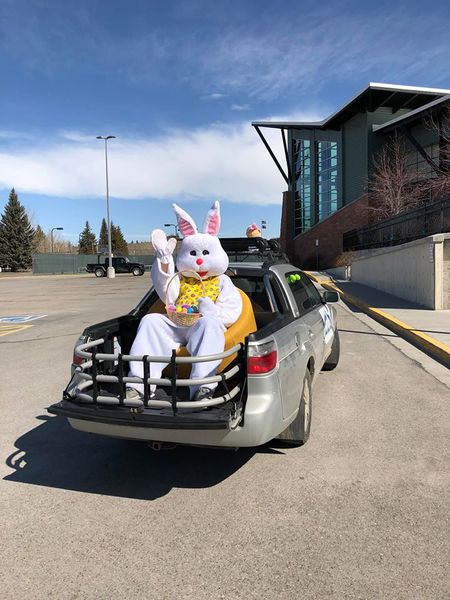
(329, 296)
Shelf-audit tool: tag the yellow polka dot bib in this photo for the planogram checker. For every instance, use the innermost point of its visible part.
(191, 289)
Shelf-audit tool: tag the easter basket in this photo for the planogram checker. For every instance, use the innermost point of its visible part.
(179, 318)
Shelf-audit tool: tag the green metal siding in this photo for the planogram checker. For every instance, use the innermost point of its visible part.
(354, 137)
(375, 141)
(424, 135)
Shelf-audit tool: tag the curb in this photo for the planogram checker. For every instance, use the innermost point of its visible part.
(436, 349)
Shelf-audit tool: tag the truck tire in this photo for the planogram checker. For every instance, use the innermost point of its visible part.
(99, 273)
(297, 433)
(333, 360)
(137, 271)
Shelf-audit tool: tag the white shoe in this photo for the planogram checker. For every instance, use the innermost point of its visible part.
(203, 393)
(133, 396)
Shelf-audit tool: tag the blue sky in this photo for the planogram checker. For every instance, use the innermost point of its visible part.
(178, 84)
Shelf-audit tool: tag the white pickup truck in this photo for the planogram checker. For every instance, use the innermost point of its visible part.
(265, 385)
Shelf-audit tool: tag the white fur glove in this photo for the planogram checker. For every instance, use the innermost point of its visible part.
(163, 247)
(207, 307)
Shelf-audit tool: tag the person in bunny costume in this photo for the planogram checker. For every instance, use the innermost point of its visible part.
(219, 303)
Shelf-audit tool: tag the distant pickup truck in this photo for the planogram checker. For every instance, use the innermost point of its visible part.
(121, 264)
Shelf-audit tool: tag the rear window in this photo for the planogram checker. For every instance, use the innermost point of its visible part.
(256, 290)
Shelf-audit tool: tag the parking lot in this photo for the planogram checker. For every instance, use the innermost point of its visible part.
(361, 511)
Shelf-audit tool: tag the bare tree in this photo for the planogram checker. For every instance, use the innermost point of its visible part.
(440, 124)
(393, 186)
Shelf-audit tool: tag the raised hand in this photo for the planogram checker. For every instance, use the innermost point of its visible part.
(163, 247)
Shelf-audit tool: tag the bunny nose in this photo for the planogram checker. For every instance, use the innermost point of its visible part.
(199, 261)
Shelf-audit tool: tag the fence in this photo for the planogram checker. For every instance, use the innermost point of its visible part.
(406, 227)
(75, 263)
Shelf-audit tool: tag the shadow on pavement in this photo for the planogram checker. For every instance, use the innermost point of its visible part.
(55, 455)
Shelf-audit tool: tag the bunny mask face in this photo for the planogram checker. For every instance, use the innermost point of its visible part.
(201, 252)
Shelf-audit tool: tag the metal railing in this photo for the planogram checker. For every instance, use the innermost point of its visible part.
(405, 227)
(90, 376)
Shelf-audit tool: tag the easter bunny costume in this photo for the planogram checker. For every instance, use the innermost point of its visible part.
(219, 302)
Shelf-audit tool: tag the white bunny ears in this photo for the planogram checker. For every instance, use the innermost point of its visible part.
(186, 223)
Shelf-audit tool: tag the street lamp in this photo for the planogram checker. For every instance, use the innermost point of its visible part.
(110, 271)
(51, 233)
(172, 225)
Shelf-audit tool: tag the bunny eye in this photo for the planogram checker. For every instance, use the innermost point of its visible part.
(205, 252)
(193, 253)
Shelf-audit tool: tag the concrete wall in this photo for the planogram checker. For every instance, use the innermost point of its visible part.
(418, 271)
(340, 273)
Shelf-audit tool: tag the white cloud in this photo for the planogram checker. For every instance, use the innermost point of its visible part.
(76, 136)
(240, 107)
(298, 49)
(7, 134)
(214, 96)
(325, 46)
(226, 162)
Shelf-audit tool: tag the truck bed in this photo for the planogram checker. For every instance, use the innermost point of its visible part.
(224, 416)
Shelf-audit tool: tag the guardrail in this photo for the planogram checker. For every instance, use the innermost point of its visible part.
(405, 227)
(94, 362)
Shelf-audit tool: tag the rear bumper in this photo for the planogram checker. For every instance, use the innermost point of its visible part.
(146, 418)
(262, 421)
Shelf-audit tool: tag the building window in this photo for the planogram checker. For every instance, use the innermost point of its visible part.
(302, 197)
(419, 168)
(327, 172)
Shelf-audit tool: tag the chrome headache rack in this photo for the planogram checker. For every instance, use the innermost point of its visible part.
(86, 383)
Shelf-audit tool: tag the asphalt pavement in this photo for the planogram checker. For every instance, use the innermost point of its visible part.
(361, 511)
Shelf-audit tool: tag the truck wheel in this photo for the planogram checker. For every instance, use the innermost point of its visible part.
(99, 272)
(333, 360)
(297, 433)
(137, 271)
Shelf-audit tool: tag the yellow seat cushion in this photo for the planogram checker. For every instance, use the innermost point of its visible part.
(235, 334)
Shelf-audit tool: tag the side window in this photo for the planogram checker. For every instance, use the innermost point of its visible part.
(311, 290)
(305, 294)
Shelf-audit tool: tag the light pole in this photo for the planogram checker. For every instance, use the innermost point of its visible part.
(51, 233)
(110, 271)
(172, 225)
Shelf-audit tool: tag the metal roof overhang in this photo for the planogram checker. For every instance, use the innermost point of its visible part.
(373, 96)
(412, 116)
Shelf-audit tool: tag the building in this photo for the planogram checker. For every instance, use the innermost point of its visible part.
(328, 164)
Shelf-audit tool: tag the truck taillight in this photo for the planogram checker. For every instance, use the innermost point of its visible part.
(78, 360)
(261, 358)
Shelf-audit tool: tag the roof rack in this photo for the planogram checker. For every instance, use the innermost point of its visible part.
(244, 249)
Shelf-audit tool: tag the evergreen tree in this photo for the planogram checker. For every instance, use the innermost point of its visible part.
(118, 243)
(88, 241)
(103, 237)
(16, 235)
(39, 240)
